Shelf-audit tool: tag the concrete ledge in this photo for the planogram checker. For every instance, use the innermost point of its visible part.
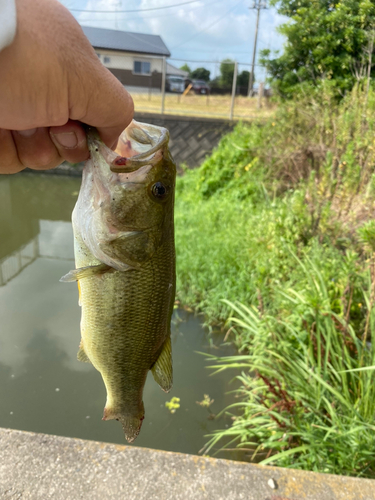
(145, 116)
(40, 466)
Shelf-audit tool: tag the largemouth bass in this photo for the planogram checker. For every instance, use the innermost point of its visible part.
(125, 267)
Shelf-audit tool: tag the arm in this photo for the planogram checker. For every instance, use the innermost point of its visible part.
(50, 81)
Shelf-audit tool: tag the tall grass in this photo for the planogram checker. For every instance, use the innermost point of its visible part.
(276, 231)
(307, 392)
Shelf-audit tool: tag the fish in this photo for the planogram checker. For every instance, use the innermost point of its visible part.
(125, 267)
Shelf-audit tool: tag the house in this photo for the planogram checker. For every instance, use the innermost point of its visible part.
(173, 71)
(136, 59)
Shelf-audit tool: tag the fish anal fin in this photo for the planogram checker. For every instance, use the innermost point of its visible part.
(162, 368)
(81, 355)
(85, 272)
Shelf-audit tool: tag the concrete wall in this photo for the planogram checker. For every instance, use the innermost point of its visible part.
(130, 79)
(42, 467)
(191, 138)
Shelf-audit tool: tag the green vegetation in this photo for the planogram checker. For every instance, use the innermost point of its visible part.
(278, 222)
(225, 80)
(331, 39)
(201, 74)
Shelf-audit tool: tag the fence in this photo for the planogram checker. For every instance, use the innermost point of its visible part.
(228, 94)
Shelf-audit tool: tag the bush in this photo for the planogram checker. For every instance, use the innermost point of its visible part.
(276, 226)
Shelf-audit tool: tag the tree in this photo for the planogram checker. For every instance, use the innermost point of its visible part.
(243, 79)
(328, 39)
(201, 74)
(226, 71)
(187, 68)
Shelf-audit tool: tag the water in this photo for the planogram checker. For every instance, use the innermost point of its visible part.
(43, 387)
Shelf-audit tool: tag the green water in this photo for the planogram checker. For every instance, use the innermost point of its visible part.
(43, 388)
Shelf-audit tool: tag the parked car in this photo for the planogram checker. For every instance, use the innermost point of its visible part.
(175, 84)
(200, 87)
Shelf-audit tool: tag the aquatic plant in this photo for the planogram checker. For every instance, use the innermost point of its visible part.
(173, 404)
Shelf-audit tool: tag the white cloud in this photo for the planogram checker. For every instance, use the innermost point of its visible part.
(205, 30)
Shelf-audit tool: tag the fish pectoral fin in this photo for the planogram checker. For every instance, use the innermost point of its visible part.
(131, 249)
(81, 355)
(162, 368)
(85, 272)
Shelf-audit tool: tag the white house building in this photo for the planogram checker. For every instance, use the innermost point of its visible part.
(136, 59)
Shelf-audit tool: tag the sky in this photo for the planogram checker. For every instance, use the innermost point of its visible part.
(204, 30)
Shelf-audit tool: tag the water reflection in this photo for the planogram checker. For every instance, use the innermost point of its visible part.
(43, 386)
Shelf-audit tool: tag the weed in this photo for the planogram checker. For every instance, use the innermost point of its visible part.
(278, 222)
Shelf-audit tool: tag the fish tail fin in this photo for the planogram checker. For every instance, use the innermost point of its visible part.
(131, 424)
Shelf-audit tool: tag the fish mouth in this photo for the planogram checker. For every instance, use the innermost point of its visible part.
(139, 145)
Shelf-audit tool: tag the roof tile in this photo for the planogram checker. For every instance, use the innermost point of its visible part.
(124, 40)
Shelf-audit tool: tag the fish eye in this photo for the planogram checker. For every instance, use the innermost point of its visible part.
(159, 190)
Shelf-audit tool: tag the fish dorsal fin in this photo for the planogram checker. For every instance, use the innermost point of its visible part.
(85, 272)
(81, 355)
(162, 369)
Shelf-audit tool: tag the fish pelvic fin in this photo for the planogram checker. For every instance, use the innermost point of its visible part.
(162, 368)
(85, 272)
(81, 355)
(131, 424)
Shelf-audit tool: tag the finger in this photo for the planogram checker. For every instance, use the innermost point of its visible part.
(9, 161)
(35, 149)
(70, 142)
(106, 105)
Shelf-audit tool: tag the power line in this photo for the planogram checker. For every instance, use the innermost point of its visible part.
(208, 27)
(134, 10)
(153, 16)
(211, 62)
(228, 48)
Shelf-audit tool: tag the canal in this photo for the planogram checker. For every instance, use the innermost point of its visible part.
(43, 387)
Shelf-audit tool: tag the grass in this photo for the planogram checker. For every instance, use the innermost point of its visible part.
(307, 393)
(203, 106)
(275, 237)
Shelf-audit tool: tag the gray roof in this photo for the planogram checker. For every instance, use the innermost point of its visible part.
(172, 70)
(126, 41)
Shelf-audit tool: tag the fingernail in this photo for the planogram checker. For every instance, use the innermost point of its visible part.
(27, 133)
(66, 140)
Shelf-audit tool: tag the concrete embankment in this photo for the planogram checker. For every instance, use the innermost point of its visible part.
(39, 466)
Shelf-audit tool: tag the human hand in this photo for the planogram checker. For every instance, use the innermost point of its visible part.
(50, 81)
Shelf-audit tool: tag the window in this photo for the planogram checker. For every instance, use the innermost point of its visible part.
(142, 68)
(97, 53)
(107, 59)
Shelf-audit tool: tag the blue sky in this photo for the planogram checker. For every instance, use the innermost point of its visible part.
(206, 30)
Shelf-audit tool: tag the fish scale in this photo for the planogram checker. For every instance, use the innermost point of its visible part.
(125, 258)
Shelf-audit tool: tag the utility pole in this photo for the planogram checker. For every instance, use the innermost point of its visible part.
(258, 5)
